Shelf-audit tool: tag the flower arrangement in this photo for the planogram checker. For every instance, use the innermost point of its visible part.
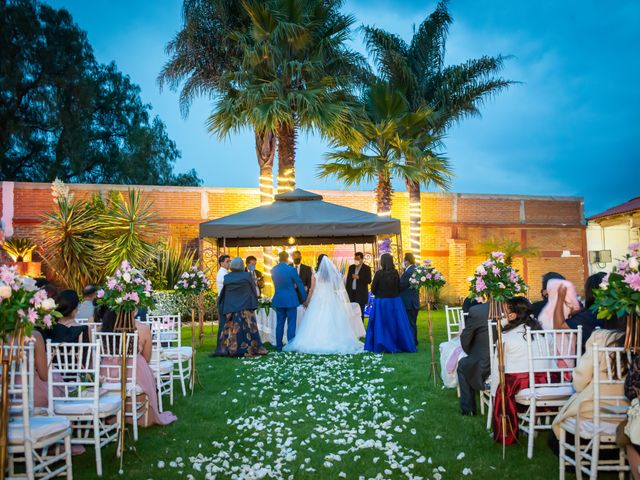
(426, 276)
(126, 290)
(497, 280)
(192, 282)
(264, 303)
(22, 305)
(619, 292)
(384, 246)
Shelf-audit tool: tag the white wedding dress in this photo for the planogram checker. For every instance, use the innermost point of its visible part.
(327, 325)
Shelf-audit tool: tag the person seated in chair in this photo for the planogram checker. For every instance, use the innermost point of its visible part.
(537, 307)
(474, 369)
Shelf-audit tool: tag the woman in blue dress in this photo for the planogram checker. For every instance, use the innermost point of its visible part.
(388, 330)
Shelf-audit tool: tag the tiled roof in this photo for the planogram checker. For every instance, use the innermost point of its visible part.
(630, 206)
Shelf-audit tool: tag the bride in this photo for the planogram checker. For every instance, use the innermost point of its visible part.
(328, 324)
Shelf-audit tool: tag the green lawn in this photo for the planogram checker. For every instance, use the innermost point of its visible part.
(302, 416)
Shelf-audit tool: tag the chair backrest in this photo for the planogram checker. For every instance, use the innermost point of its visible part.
(455, 321)
(167, 328)
(73, 372)
(20, 375)
(553, 353)
(614, 362)
(82, 321)
(111, 346)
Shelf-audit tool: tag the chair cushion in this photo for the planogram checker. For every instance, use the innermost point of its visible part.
(41, 427)
(115, 386)
(107, 405)
(172, 353)
(587, 427)
(166, 366)
(546, 393)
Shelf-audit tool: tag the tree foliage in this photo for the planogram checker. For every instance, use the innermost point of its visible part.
(62, 114)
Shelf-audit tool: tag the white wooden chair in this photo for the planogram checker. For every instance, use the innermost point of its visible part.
(162, 369)
(34, 441)
(594, 435)
(74, 392)
(455, 321)
(553, 353)
(486, 400)
(170, 327)
(110, 348)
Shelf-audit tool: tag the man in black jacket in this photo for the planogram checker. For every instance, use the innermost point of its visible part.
(474, 369)
(410, 296)
(358, 280)
(304, 272)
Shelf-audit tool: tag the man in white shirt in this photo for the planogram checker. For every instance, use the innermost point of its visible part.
(224, 261)
(85, 309)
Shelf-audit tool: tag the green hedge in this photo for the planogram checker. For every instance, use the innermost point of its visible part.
(168, 302)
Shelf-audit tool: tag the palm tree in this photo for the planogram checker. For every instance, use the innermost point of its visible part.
(390, 141)
(510, 248)
(200, 54)
(296, 74)
(418, 70)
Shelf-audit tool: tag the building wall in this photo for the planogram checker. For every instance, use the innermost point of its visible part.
(613, 233)
(452, 224)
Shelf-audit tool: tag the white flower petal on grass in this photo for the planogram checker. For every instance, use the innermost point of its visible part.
(460, 456)
(466, 471)
(160, 464)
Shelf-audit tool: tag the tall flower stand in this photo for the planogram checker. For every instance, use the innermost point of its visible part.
(498, 311)
(632, 334)
(434, 364)
(125, 325)
(200, 305)
(193, 378)
(8, 351)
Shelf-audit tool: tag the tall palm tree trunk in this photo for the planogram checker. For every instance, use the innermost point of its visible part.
(286, 157)
(413, 189)
(265, 152)
(383, 194)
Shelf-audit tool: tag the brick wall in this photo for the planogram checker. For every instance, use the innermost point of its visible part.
(452, 224)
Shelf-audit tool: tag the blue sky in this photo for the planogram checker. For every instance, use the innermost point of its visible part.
(570, 128)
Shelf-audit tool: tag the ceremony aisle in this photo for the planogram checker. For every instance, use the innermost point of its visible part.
(300, 416)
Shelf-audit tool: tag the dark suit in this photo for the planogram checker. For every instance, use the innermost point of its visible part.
(476, 366)
(360, 294)
(411, 300)
(305, 275)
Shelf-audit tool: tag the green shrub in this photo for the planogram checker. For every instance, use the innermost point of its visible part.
(169, 302)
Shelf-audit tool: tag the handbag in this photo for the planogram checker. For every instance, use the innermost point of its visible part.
(632, 428)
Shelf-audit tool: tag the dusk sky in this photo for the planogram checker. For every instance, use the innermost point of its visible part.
(570, 128)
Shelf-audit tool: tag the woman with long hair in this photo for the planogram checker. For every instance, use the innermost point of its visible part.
(327, 325)
(389, 330)
(516, 366)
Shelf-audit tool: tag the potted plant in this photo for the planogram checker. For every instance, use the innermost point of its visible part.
(21, 252)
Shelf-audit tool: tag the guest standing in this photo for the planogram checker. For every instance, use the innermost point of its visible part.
(223, 269)
(86, 308)
(358, 280)
(410, 296)
(238, 303)
(304, 272)
(257, 276)
(474, 369)
(289, 293)
(388, 329)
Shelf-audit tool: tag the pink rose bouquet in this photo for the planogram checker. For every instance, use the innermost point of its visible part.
(619, 292)
(126, 290)
(495, 279)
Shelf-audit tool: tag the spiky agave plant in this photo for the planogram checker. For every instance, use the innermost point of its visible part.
(127, 229)
(69, 245)
(170, 261)
(19, 249)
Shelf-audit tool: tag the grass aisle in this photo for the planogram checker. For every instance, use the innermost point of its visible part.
(312, 417)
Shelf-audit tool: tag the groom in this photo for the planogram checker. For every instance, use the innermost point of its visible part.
(285, 299)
